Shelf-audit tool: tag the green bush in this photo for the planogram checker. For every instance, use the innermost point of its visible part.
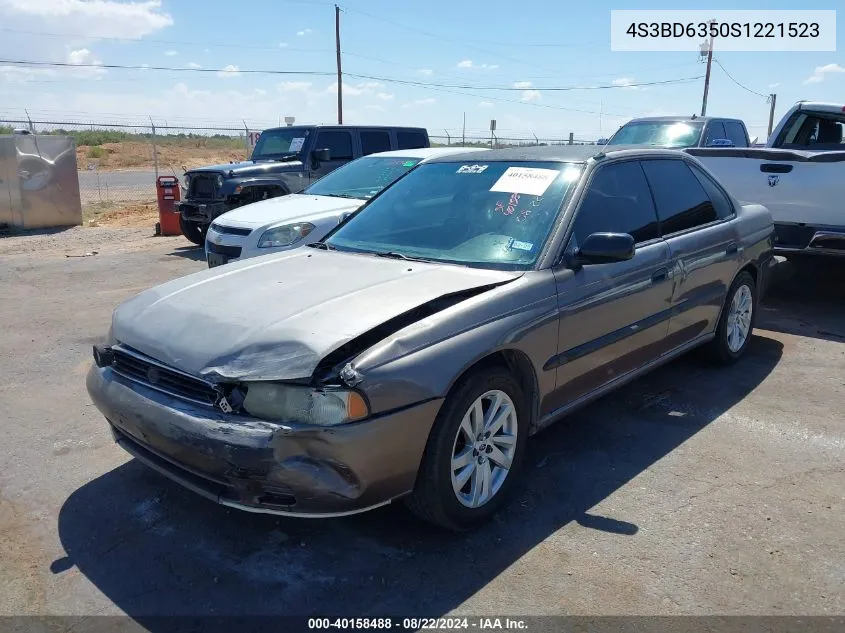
(96, 152)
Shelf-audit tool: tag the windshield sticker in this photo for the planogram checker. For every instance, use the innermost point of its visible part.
(531, 180)
(296, 144)
(471, 169)
(520, 246)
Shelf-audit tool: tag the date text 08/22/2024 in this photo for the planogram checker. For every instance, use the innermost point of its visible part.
(419, 624)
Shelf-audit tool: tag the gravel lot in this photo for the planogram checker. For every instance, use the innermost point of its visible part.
(691, 491)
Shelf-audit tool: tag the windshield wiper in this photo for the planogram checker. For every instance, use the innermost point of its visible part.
(325, 246)
(395, 255)
(339, 195)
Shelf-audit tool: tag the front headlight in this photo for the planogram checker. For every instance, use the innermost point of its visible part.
(187, 181)
(219, 181)
(304, 405)
(284, 235)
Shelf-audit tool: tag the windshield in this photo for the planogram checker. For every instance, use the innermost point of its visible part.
(660, 133)
(362, 178)
(284, 142)
(489, 215)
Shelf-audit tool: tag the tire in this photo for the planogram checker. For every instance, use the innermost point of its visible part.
(193, 231)
(724, 349)
(434, 498)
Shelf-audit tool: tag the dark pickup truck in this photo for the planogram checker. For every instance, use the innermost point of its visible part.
(285, 160)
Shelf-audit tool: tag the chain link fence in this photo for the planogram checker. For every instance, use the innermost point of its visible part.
(118, 164)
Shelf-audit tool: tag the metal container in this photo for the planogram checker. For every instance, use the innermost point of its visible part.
(39, 186)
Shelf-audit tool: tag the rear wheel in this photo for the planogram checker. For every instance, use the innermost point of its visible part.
(193, 231)
(474, 453)
(737, 321)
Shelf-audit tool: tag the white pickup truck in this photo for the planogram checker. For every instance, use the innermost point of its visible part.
(799, 176)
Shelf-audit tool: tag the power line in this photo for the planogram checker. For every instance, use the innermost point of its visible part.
(737, 83)
(406, 82)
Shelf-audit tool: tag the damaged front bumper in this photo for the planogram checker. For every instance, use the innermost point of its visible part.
(261, 466)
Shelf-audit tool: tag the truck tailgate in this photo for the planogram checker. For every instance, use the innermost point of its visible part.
(797, 187)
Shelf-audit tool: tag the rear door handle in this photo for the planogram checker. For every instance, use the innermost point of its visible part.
(662, 274)
(775, 168)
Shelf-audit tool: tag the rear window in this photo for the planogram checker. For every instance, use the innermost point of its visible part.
(736, 133)
(814, 131)
(373, 141)
(410, 139)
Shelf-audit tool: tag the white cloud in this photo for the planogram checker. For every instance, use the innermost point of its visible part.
(375, 106)
(283, 44)
(84, 57)
(95, 18)
(260, 92)
(384, 96)
(355, 90)
(304, 32)
(774, 85)
(468, 63)
(229, 71)
(531, 95)
(425, 71)
(522, 84)
(420, 102)
(485, 104)
(81, 56)
(171, 53)
(293, 86)
(821, 72)
(193, 65)
(624, 82)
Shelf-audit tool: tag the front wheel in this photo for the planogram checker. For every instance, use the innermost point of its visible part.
(737, 321)
(474, 453)
(193, 231)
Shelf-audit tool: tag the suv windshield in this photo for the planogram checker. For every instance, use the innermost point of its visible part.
(489, 215)
(280, 143)
(362, 178)
(660, 133)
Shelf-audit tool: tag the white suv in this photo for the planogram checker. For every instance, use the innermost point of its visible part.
(291, 221)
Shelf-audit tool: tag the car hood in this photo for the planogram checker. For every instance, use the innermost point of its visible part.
(291, 207)
(275, 317)
(250, 167)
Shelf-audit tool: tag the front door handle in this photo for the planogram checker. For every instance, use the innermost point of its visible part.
(732, 248)
(661, 274)
(775, 168)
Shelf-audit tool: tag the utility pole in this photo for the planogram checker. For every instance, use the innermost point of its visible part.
(707, 73)
(772, 98)
(339, 72)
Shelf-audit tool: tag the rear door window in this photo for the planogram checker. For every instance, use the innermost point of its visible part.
(714, 130)
(681, 201)
(736, 133)
(617, 201)
(373, 141)
(724, 207)
(410, 139)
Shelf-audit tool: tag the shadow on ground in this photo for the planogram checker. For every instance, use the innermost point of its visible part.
(197, 253)
(807, 298)
(155, 549)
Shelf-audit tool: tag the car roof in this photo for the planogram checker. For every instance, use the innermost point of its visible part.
(681, 117)
(822, 106)
(350, 127)
(428, 152)
(560, 153)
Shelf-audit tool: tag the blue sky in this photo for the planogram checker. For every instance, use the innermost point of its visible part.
(466, 42)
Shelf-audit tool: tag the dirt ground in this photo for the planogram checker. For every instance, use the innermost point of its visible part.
(135, 155)
(691, 491)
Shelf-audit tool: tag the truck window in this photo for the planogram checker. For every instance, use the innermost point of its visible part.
(736, 133)
(410, 140)
(811, 131)
(714, 130)
(680, 199)
(338, 142)
(617, 201)
(373, 141)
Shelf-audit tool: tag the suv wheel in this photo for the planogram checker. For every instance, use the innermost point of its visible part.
(474, 454)
(193, 231)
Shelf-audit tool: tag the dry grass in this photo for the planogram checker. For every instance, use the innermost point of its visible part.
(120, 214)
(139, 155)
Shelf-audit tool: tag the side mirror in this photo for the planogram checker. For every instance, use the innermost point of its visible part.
(720, 142)
(605, 248)
(321, 155)
(343, 216)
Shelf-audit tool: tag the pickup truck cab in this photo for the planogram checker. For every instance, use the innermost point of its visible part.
(681, 132)
(799, 176)
(285, 160)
